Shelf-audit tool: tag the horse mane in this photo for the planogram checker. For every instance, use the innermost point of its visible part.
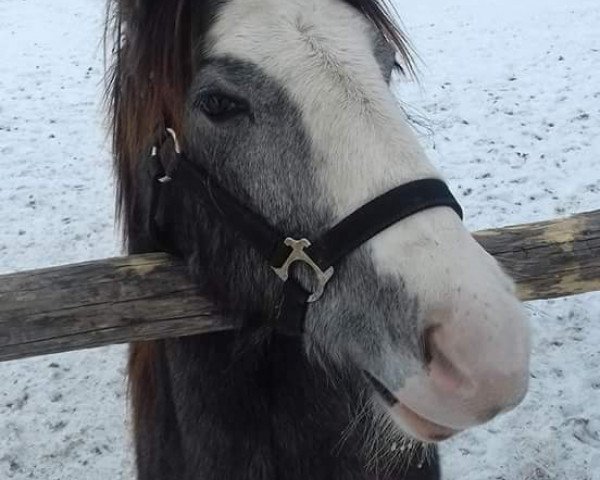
(151, 69)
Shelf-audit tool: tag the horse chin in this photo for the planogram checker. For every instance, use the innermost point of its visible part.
(408, 420)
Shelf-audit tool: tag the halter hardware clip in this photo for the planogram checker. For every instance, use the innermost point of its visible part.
(299, 255)
(166, 178)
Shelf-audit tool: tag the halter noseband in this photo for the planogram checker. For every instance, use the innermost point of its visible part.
(281, 251)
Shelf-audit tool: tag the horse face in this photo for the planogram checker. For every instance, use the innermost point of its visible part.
(291, 110)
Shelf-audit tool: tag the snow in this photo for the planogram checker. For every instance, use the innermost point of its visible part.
(508, 106)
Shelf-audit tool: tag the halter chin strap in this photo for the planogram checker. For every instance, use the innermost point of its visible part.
(280, 251)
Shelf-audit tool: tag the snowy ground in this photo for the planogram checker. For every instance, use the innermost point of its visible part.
(509, 105)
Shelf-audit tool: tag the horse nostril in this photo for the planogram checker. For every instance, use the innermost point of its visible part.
(426, 344)
(442, 370)
(432, 346)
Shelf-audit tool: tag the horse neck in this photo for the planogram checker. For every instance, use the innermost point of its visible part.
(263, 405)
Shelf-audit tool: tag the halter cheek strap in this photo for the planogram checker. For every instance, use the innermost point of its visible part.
(280, 251)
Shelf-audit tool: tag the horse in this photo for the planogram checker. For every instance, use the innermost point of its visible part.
(235, 117)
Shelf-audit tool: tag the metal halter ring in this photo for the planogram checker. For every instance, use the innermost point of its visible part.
(299, 255)
(176, 146)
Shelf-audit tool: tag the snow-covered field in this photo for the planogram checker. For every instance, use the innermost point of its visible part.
(509, 106)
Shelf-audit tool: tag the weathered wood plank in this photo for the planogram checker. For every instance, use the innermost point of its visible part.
(549, 259)
(146, 297)
(117, 300)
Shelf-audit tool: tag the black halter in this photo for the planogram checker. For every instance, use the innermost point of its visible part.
(281, 251)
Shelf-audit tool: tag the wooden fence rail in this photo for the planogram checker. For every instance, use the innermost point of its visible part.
(145, 297)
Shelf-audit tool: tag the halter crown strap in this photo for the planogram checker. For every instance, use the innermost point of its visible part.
(280, 251)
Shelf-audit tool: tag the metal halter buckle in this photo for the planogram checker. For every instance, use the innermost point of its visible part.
(299, 255)
(176, 146)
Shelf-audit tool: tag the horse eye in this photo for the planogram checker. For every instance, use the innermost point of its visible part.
(218, 106)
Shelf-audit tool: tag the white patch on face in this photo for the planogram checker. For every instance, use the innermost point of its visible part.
(321, 52)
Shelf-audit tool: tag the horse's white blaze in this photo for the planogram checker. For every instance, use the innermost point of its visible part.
(365, 145)
(321, 52)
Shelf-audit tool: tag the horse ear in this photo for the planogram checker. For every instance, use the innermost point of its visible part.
(385, 17)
